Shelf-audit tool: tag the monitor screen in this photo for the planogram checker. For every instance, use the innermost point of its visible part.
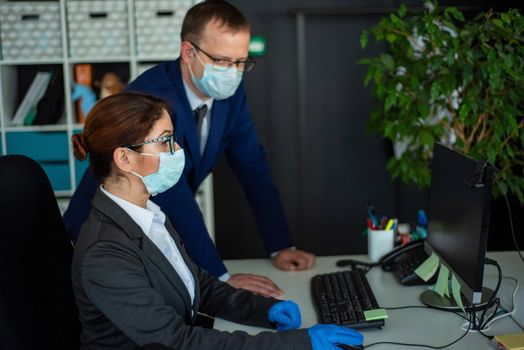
(458, 215)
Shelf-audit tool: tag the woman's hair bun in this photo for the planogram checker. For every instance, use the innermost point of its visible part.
(80, 148)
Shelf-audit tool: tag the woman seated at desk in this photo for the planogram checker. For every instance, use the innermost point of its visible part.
(134, 283)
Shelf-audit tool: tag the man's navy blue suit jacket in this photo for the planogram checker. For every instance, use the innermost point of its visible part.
(231, 132)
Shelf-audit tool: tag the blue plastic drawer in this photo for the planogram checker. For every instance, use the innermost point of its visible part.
(41, 146)
(58, 174)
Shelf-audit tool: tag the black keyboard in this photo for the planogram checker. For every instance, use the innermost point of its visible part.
(342, 297)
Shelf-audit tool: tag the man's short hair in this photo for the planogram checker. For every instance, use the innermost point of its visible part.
(201, 14)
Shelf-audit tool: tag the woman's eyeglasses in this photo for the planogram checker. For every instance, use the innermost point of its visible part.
(171, 139)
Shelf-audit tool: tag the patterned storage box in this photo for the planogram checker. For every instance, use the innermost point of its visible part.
(158, 25)
(98, 28)
(30, 30)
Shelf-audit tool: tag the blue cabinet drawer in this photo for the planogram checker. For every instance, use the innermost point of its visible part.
(41, 146)
(58, 174)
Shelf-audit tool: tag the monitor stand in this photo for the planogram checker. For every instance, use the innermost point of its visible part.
(434, 300)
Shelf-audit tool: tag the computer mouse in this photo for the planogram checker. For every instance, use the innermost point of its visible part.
(350, 347)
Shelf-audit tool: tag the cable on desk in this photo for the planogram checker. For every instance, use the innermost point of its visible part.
(423, 307)
(511, 224)
(494, 317)
(518, 324)
(473, 318)
(489, 261)
(494, 313)
(423, 345)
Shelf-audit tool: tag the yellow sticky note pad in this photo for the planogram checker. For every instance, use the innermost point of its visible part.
(377, 314)
(514, 341)
(442, 281)
(455, 290)
(427, 269)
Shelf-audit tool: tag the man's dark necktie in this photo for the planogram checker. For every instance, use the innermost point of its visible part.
(200, 113)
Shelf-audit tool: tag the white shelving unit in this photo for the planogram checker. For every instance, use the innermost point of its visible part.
(49, 144)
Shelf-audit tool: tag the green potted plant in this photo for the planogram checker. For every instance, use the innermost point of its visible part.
(447, 79)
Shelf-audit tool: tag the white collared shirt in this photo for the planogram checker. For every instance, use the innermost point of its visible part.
(194, 103)
(152, 222)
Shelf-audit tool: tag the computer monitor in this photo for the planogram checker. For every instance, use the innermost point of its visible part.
(459, 212)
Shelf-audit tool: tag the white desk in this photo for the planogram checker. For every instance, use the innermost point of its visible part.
(420, 326)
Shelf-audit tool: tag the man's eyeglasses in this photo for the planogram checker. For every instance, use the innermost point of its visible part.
(171, 139)
(224, 63)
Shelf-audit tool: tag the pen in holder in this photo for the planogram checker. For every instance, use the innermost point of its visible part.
(380, 242)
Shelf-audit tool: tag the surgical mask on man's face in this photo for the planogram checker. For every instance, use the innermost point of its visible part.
(169, 171)
(217, 82)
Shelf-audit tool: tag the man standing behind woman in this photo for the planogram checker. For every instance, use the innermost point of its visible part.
(133, 281)
(207, 102)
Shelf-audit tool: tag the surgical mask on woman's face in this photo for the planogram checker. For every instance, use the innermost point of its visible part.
(219, 83)
(169, 171)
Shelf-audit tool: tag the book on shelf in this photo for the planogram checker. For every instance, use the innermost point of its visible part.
(51, 106)
(30, 116)
(26, 112)
(84, 76)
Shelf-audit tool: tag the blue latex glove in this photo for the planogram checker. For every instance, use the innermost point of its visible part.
(326, 336)
(285, 315)
(86, 94)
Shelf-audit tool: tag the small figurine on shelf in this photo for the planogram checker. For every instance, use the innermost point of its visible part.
(109, 85)
(87, 96)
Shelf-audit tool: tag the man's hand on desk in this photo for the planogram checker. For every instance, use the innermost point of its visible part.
(293, 259)
(254, 283)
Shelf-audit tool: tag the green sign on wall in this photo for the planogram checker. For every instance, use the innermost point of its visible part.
(257, 46)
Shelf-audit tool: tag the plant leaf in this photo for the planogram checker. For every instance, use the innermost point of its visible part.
(402, 10)
(388, 62)
(497, 22)
(364, 39)
(395, 20)
(391, 37)
(455, 13)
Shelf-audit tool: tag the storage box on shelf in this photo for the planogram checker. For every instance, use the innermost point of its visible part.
(98, 28)
(158, 26)
(30, 30)
(124, 36)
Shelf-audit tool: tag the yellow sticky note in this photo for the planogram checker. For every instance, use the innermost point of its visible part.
(455, 290)
(427, 269)
(442, 281)
(377, 314)
(514, 341)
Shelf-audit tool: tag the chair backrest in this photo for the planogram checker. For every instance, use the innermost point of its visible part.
(37, 307)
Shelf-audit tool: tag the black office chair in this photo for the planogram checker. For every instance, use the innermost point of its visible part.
(37, 308)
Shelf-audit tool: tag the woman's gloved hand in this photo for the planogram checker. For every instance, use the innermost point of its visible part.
(326, 336)
(285, 316)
